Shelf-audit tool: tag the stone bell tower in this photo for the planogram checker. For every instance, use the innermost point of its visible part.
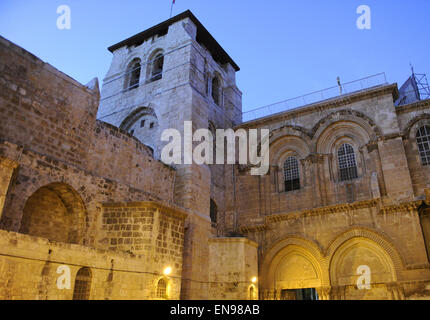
(158, 79)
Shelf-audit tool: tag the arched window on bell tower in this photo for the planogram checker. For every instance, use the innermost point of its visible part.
(156, 65)
(133, 74)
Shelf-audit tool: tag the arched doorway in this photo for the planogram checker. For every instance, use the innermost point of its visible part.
(293, 270)
(55, 212)
(361, 270)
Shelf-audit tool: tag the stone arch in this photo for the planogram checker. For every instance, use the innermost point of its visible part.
(133, 74)
(155, 65)
(135, 115)
(331, 137)
(285, 143)
(332, 134)
(352, 116)
(372, 241)
(283, 147)
(413, 125)
(293, 263)
(56, 212)
(143, 124)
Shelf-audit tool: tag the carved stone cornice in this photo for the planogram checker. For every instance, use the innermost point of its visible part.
(255, 228)
(406, 206)
(326, 104)
(322, 210)
(344, 207)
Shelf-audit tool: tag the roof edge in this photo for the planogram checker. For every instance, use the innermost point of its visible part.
(202, 33)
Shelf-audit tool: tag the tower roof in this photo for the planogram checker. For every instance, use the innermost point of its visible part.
(203, 36)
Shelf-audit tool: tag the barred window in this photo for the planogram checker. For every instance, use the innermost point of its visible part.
(162, 289)
(347, 163)
(82, 284)
(423, 141)
(291, 174)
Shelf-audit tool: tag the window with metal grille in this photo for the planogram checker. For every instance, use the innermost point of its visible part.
(82, 284)
(291, 174)
(347, 163)
(162, 289)
(423, 141)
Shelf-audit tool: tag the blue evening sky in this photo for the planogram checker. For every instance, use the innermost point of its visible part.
(285, 48)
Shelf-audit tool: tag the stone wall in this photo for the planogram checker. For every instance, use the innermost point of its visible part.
(28, 270)
(233, 265)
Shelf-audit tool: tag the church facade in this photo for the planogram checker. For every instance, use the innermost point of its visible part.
(89, 211)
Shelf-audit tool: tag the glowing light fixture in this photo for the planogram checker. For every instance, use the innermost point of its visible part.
(167, 271)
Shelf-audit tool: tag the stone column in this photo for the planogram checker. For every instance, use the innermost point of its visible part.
(395, 169)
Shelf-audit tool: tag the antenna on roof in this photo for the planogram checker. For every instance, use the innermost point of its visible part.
(339, 84)
(171, 8)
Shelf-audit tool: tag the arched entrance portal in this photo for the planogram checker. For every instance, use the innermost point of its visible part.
(292, 270)
(55, 212)
(361, 269)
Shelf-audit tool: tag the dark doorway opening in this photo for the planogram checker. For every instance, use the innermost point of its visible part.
(299, 294)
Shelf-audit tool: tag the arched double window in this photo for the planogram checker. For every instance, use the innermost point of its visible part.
(347, 163)
(133, 75)
(82, 284)
(423, 141)
(161, 289)
(291, 174)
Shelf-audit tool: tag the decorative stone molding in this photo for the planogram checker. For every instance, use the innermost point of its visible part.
(350, 115)
(411, 127)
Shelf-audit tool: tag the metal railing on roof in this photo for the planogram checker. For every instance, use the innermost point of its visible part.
(316, 96)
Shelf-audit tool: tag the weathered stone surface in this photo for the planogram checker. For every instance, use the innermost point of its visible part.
(81, 185)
